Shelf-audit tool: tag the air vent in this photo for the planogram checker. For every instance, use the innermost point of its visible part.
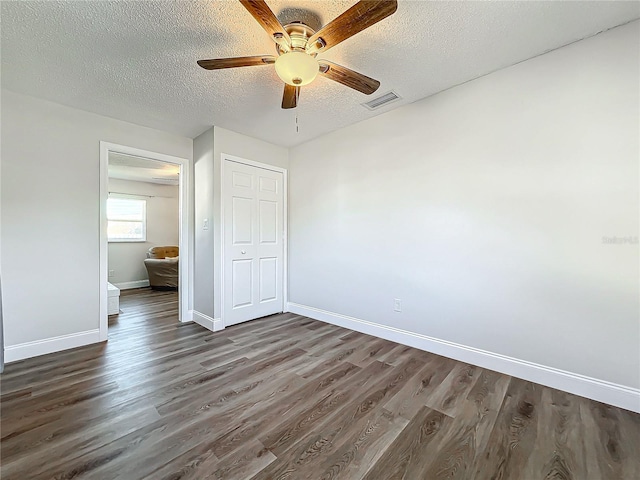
(382, 101)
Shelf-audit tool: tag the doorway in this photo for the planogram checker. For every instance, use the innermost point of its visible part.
(132, 161)
(254, 226)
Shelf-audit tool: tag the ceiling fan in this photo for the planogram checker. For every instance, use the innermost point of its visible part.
(297, 46)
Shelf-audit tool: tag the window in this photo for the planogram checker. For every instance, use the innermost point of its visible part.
(126, 220)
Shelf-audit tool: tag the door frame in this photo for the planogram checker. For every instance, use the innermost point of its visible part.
(224, 158)
(185, 288)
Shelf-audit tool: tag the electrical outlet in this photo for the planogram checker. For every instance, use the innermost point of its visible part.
(111, 273)
(397, 305)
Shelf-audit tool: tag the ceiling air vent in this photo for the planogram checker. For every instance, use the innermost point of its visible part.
(382, 101)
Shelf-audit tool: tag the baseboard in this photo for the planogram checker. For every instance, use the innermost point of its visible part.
(133, 284)
(593, 388)
(213, 324)
(13, 353)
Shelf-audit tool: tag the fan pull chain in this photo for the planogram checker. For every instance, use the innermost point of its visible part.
(297, 127)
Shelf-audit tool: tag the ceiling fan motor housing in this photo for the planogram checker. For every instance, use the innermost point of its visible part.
(299, 33)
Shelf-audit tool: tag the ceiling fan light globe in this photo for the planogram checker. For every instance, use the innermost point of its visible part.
(297, 68)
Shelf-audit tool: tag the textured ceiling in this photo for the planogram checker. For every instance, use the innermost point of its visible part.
(136, 60)
(138, 169)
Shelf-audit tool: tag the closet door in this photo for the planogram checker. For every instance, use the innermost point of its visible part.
(253, 206)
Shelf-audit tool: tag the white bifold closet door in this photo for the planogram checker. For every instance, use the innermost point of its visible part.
(253, 205)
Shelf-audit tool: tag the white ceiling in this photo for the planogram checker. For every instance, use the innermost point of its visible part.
(138, 169)
(136, 60)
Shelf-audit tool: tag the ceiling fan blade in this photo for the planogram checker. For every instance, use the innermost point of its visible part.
(348, 77)
(290, 96)
(362, 15)
(265, 17)
(218, 63)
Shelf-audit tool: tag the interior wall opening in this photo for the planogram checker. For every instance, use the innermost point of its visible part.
(144, 236)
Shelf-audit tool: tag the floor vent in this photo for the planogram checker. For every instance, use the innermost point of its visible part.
(382, 100)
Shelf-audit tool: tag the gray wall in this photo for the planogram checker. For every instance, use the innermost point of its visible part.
(483, 209)
(1, 332)
(203, 263)
(50, 213)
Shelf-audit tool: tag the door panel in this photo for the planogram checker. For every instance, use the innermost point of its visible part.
(242, 283)
(253, 206)
(268, 222)
(268, 279)
(268, 185)
(242, 180)
(241, 220)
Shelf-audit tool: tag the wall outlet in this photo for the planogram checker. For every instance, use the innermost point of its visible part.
(397, 305)
(111, 273)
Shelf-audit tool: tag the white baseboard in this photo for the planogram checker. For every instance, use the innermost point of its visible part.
(133, 284)
(13, 353)
(187, 316)
(217, 324)
(593, 388)
(213, 324)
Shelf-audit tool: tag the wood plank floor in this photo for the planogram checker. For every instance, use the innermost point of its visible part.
(287, 397)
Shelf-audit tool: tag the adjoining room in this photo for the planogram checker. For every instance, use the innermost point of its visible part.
(143, 224)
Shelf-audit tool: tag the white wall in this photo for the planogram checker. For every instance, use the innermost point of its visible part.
(483, 209)
(50, 214)
(208, 149)
(126, 259)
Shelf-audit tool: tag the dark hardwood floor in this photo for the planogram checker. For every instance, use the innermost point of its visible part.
(286, 397)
